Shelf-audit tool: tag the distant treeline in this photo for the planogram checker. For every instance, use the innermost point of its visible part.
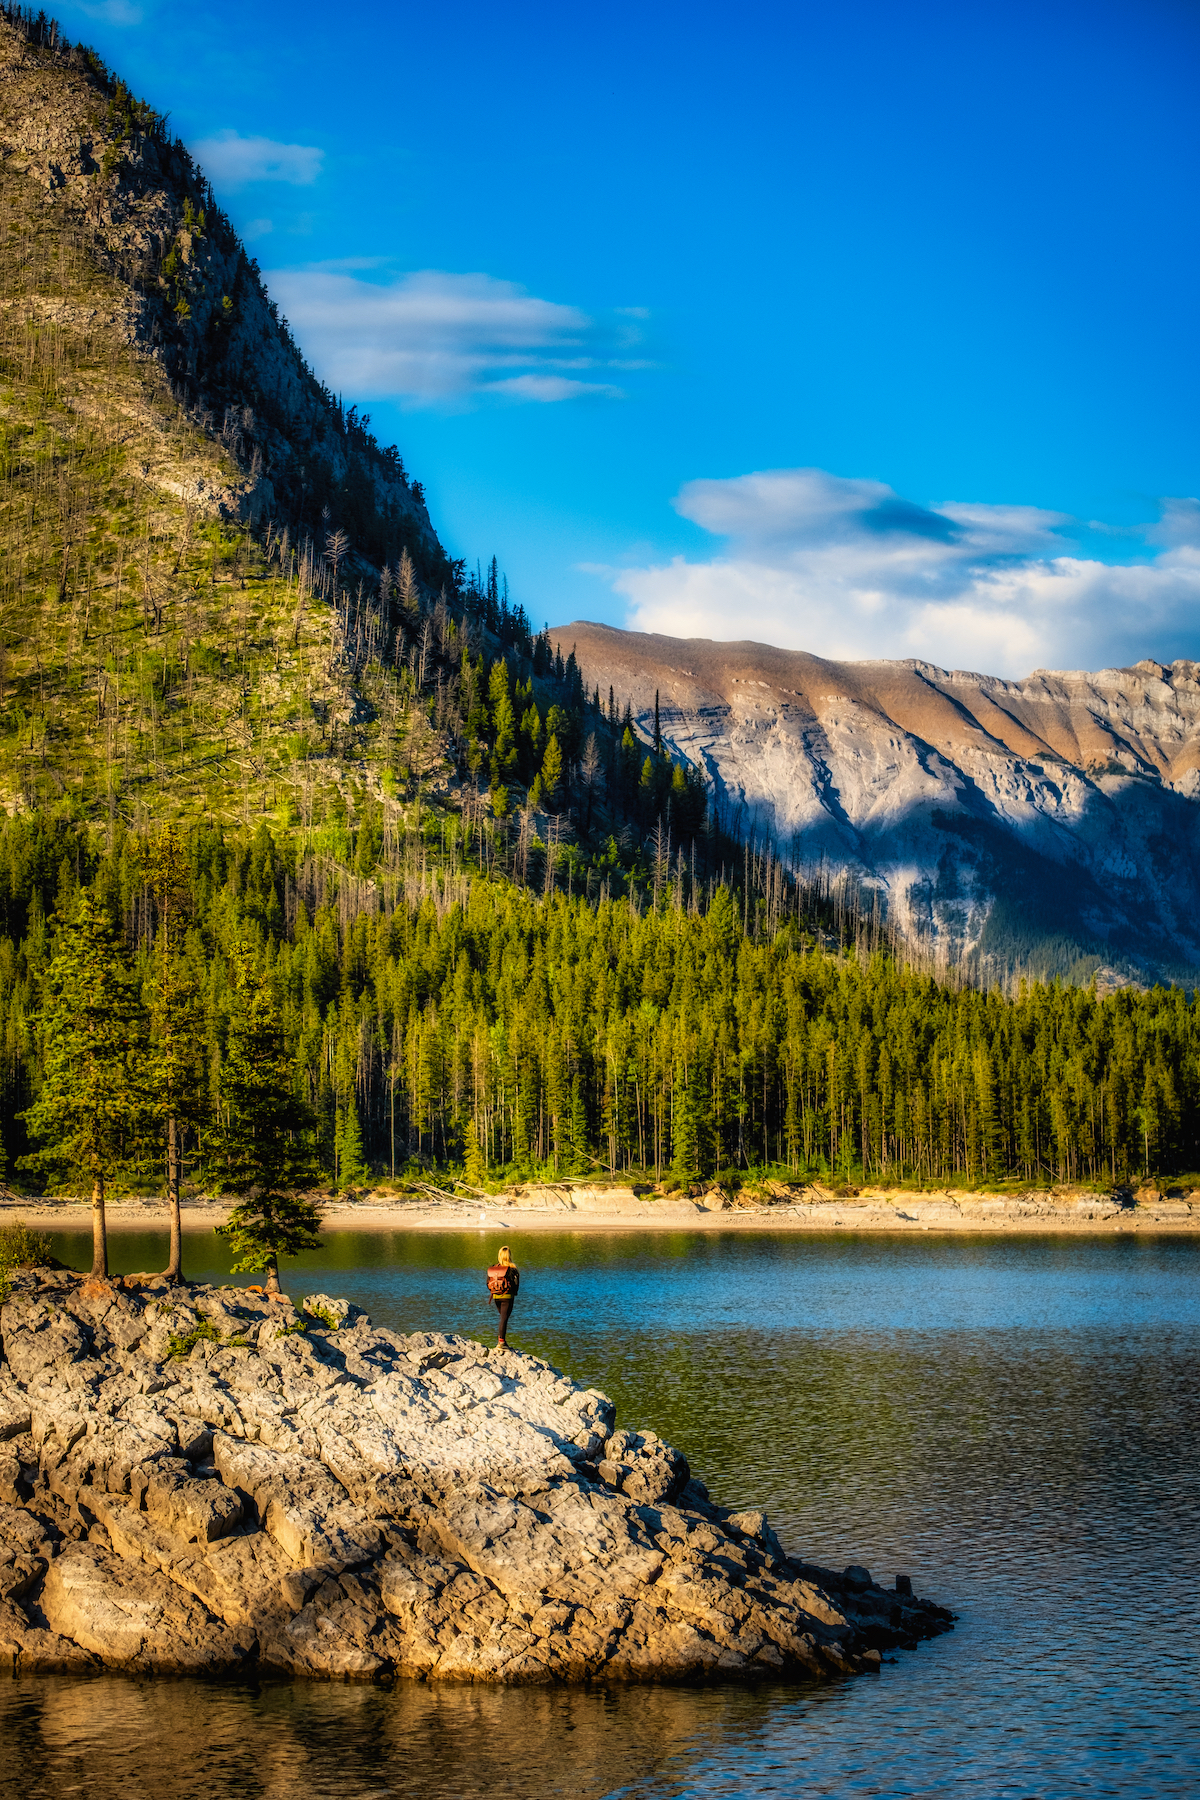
(440, 1017)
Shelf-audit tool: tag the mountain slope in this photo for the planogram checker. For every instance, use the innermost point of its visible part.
(1045, 825)
(192, 602)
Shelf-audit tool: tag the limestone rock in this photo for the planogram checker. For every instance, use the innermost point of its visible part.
(338, 1502)
(131, 1620)
(37, 1338)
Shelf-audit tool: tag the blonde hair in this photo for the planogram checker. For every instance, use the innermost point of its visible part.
(505, 1254)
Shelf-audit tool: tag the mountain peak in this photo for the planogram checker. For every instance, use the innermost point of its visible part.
(1043, 825)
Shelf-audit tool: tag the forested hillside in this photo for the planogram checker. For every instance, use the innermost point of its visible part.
(435, 1015)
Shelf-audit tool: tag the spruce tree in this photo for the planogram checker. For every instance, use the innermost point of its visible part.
(551, 773)
(580, 1158)
(93, 1102)
(176, 1077)
(685, 1127)
(474, 1162)
(264, 1142)
(352, 1168)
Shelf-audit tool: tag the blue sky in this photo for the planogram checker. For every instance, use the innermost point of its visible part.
(866, 329)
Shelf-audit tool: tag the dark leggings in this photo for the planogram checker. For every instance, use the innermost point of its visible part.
(505, 1306)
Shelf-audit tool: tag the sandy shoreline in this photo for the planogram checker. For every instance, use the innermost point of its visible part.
(594, 1211)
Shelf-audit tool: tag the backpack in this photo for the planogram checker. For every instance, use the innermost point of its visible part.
(499, 1280)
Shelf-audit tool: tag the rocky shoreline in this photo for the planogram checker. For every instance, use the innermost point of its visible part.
(203, 1480)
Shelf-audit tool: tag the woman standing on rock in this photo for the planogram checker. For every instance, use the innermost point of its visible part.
(503, 1279)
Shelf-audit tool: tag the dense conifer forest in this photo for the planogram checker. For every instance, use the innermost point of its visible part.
(438, 1016)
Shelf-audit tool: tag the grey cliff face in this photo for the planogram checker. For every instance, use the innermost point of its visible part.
(202, 1480)
(995, 816)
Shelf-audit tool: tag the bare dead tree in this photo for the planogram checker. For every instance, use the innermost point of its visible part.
(406, 586)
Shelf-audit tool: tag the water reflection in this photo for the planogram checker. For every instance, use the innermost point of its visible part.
(1012, 1423)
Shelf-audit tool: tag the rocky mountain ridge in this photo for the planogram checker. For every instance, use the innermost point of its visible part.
(1045, 826)
(198, 1480)
(182, 290)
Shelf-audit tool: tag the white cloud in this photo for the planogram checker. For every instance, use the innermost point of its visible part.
(231, 161)
(549, 388)
(112, 12)
(258, 228)
(847, 568)
(435, 338)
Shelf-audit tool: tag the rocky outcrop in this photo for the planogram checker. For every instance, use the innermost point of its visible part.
(198, 1480)
(1047, 823)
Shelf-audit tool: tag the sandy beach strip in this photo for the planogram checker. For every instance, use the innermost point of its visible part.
(591, 1212)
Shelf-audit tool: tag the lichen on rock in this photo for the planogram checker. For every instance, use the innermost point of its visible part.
(340, 1501)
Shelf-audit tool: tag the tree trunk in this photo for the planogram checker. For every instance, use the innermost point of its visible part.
(174, 1269)
(273, 1276)
(99, 1234)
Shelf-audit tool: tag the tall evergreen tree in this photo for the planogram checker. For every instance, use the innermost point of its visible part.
(263, 1149)
(93, 1103)
(686, 1126)
(474, 1164)
(352, 1170)
(176, 1081)
(579, 1153)
(551, 773)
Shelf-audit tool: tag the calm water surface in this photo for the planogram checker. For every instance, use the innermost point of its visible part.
(1013, 1423)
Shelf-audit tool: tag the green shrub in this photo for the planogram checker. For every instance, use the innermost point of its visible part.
(20, 1247)
(183, 1343)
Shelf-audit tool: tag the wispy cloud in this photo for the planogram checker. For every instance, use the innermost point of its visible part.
(548, 388)
(433, 338)
(112, 12)
(232, 161)
(848, 568)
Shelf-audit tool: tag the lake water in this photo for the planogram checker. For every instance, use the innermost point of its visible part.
(1014, 1423)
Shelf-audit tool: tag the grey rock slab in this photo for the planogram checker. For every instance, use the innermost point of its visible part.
(15, 1417)
(34, 1650)
(303, 1507)
(195, 1510)
(132, 1619)
(327, 1639)
(38, 1338)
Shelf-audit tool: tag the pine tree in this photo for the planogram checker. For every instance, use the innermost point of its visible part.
(352, 1169)
(93, 1103)
(580, 1157)
(263, 1148)
(406, 586)
(176, 1081)
(685, 1162)
(474, 1164)
(551, 773)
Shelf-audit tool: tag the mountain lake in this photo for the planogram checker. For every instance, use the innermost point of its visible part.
(1012, 1423)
